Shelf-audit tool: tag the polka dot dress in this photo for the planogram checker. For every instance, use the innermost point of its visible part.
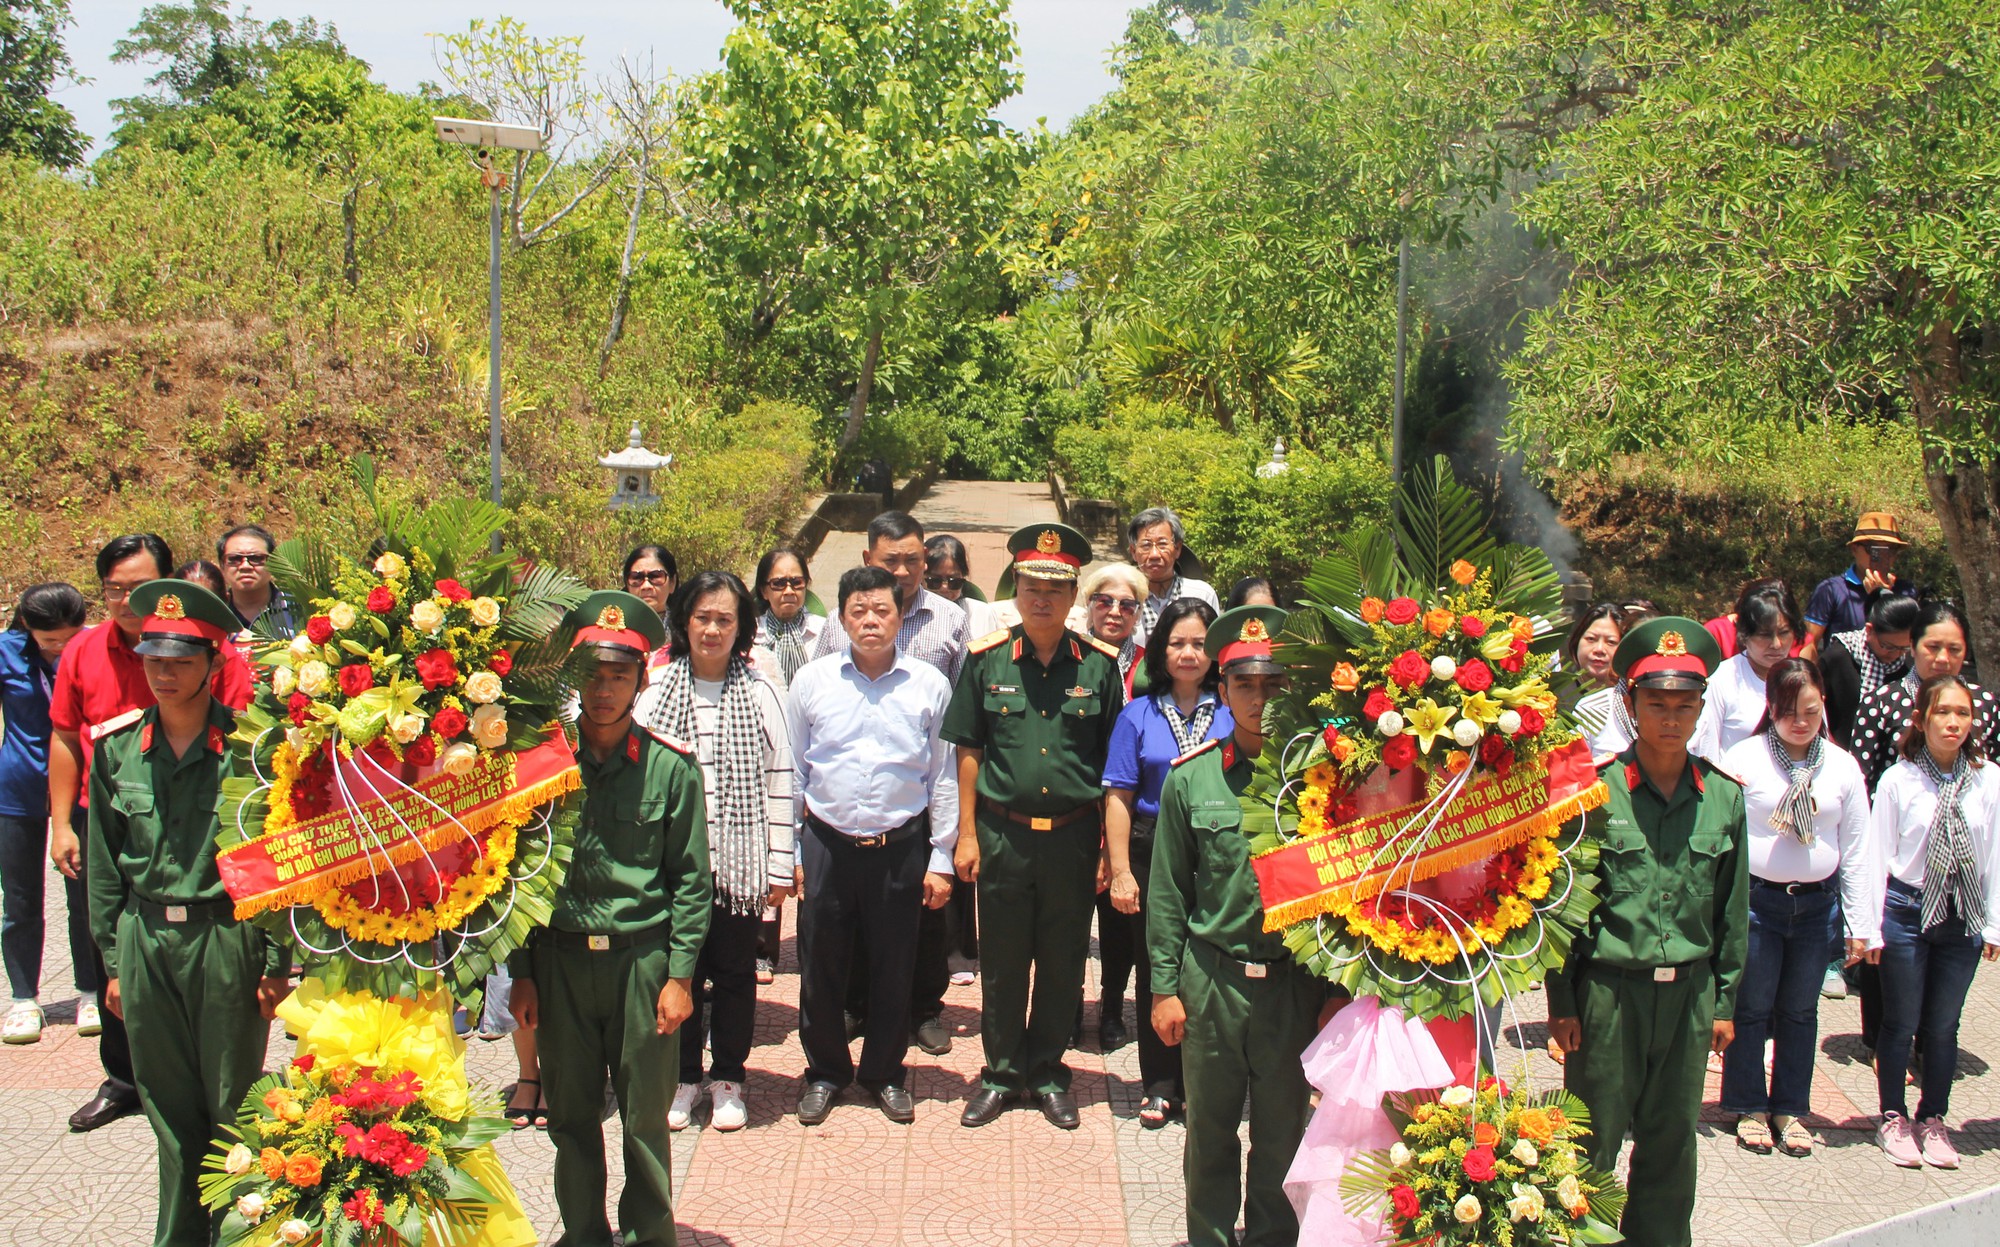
(1885, 715)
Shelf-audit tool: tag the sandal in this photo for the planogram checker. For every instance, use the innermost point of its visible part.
(542, 1110)
(1753, 1134)
(1793, 1137)
(1555, 1051)
(1153, 1111)
(522, 1118)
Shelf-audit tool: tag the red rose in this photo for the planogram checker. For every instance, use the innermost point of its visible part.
(1516, 658)
(356, 678)
(1377, 705)
(452, 591)
(1399, 752)
(1401, 611)
(1478, 1164)
(1405, 1202)
(1472, 626)
(1495, 752)
(1346, 811)
(319, 629)
(449, 722)
(501, 663)
(436, 668)
(1490, 1083)
(381, 599)
(1532, 721)
(296, 708)
(303, 1064)
(422, 751)
(1475, 676)
(1410, 669)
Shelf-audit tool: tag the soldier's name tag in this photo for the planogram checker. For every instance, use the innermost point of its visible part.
(600, 943)
(1003, 688)
(177, 913)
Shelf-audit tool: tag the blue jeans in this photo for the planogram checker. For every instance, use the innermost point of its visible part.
(1925, 976)
(1779, 998)
(24, 866)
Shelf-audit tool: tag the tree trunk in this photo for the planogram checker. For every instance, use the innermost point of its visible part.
(1964, 488)
(857, 407)
(350, 219)
(623, 298)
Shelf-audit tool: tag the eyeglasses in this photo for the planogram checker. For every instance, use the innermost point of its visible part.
(785, 582)
(118, 593)
(1124, 606)
(1155, 547)
(944, 584)
(245, 560)
(646, 578)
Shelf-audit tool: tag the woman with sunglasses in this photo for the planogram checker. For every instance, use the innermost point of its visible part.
(947, 574)
(1108, 606)
(651, 575)
(788, 628)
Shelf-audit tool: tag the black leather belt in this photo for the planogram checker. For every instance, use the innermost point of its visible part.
(203, 912)
(584, 941)
(1794, 889)
(1652, 974)
(835, 836)
(1036, 822)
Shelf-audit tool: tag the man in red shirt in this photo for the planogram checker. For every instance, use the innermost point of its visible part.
(100, 685)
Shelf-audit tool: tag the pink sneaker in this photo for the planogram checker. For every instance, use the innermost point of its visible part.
(1935, 1143)
(1897, 1143)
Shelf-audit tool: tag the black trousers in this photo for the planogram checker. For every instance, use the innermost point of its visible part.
(858, 896)
(114, 1050)
(931, 950)
(725, 981)
(1159, 1065)
(1116, 935)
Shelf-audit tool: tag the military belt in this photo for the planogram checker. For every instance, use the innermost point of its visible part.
(1653, 974)
(585, 941)
(190, 912)
(1036, 822)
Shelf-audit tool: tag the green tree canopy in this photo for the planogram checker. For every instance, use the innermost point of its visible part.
(32, 61)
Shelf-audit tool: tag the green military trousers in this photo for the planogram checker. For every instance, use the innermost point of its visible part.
(1037, 892)
(189, 991)
(597, 1019)
(1644, 1055)
(1244, 1036)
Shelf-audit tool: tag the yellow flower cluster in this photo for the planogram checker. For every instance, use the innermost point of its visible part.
(468, 892)
(284, 774)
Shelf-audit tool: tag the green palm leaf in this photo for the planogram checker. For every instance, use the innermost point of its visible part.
(1439, 522)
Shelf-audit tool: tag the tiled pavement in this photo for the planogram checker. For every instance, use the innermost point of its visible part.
(982, 514)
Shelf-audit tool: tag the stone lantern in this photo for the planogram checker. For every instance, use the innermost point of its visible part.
(1276, 465)
(632, 472)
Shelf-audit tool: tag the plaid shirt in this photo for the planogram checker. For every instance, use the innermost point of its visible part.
(935, 631)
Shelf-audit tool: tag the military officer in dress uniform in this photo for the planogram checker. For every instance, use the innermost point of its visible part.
(1226, 990)
(195, 987)
(1650, 987)
(1031, 716)
(605, 985)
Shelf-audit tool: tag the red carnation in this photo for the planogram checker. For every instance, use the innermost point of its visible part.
(1532, 722)
(1491, 1083)
(1495, 752)
(1405, 1201)
(452, 591)
(319, 629)
(1472, 626)
(1377, 705)
(356, 678)
(1401, 611)
(422, 751)
(1516, 658)
(436, 668)
(1478, 1164)
(1475, 676)
(381, 599)
(449, 722)
(501, 663)
(1410, 669)
(296, 708)
(1399, 752)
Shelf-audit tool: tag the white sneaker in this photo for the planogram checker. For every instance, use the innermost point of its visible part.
(726, 1110)
(23, 1023)
(961, 978)
(1834, 986)
(682, 1111)
(88, 1020)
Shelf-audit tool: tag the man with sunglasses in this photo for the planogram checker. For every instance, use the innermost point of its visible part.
(244, 554)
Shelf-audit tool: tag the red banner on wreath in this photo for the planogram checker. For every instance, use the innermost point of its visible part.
(393, 818)
(1490, 816)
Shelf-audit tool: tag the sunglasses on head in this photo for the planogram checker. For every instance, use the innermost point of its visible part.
(942, 584)
(785, 582)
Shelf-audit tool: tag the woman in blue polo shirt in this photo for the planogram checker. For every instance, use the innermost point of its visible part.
(45, 619)
(1179, 713)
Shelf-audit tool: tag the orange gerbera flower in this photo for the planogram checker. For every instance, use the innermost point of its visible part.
(1371, 610)
(1438, 621)
(1539, 1126)
(272, 1162)
(302, 1170)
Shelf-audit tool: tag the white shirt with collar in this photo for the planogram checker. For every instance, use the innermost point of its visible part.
(1840, 827)
(1732, 706)
(1900, 832)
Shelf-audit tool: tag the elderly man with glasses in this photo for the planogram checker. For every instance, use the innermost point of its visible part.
(1156, 542)
(244, 554)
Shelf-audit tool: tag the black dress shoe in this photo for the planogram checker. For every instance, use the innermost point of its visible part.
(932, 1037)
(1060, 1108)
(985, 1105)
(816, 1102)
(1111, 1034)
(102, 1110)
(898, 1105)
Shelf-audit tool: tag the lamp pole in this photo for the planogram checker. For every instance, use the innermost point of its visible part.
(494, 180)
(1402, 359)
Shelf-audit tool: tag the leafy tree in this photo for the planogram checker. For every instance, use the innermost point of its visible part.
(205, 53)
(32, 59)
(853, 148)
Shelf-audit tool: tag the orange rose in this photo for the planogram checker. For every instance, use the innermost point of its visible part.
(272, 1162)
(302, 1170)
(1556, 1119)
(1438, 621)
(1346, 678)
(1536, 1125)
(1464, 572)
(1341, 749)
(1523, 628)
(1371, 610)
(1456, 761)
(1484, 1134)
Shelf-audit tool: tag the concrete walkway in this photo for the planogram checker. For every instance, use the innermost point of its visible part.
(982, 514)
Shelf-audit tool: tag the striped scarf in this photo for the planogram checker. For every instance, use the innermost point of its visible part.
(1951, 864)
(1622, 716)
(740, 835)
(1128, 653)
(1191, 730)
(1874, 672)
(788, 642)
(1795, 809)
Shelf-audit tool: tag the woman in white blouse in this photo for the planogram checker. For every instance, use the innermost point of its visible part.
(1807, 808)
(1936, 836)
(1768, 628)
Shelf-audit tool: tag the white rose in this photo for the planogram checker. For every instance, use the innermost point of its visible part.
(1390, 725)
(1456, 1096)
(252, 1207)
(1466, 1210)
(297, 739)
(294, 1231)
(283, 681)
(1466, 733)
(302, 645)
(341, 616)
(239, 1160)
(1509, 723)
(489, 727)
(1526, 1205)
(1400, 1155)
(1569, 1193)
(458, 758)
(1444, 667)
(406, 727)
(482, 687)
(427, 617)
(390, 566)
(485, 612)
(1524, 1151)
(315, 678)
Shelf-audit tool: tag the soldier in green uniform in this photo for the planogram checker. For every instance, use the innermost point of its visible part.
(195, 987)
(1650, 987)
(1224, 989)
(1031, 716)
(605, 985)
